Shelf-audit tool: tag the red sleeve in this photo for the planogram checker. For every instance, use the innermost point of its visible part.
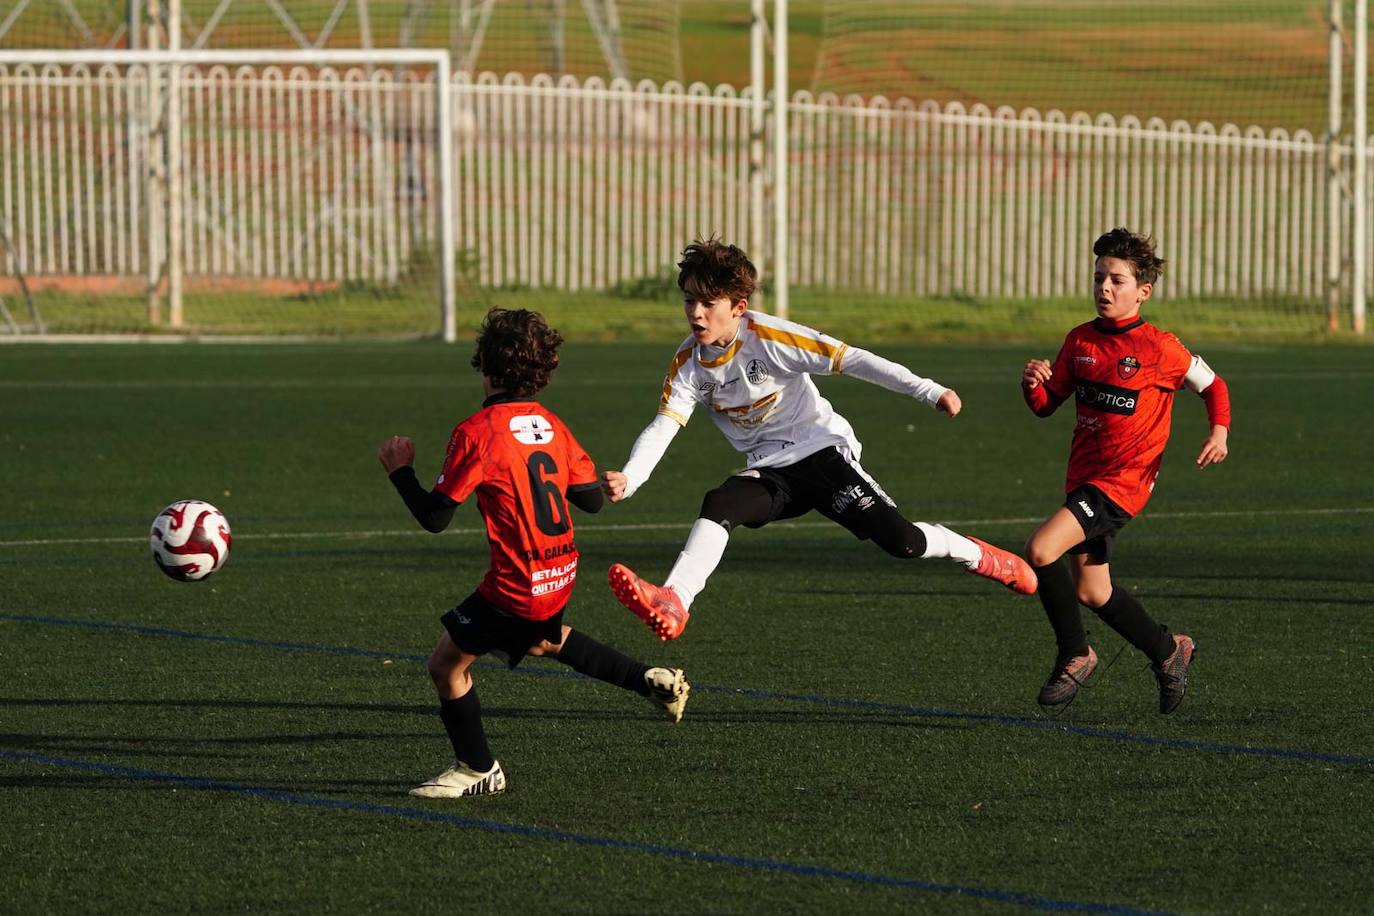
(1040, 401)
(581, 468)
(1217, 397)
(462, 470)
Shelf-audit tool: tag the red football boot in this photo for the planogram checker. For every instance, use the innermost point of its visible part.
(660, 608)
(1006, 567)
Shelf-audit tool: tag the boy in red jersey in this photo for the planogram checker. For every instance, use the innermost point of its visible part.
(525, 466)
(1122, 374)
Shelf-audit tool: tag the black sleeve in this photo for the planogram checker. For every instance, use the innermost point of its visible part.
(432, 510)
(587, 497)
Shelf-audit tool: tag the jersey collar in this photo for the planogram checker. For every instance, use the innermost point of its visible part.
(729, 352)
(502, 397)
(1110, 327)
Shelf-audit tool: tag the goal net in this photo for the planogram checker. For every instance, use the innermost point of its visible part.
(280, 199)
(632, 39)
(1262, 62)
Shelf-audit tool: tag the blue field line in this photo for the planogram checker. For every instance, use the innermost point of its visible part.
(898, 709)
(576, 839)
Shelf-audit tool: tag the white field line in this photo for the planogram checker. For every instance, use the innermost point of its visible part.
(588, 527)
(950, 375)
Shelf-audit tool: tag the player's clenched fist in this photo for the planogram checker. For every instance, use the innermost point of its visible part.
(1037, 372)
(396, 452)
(613, 485)
(949, 403)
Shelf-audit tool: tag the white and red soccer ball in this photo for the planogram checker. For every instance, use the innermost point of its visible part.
(190, 539)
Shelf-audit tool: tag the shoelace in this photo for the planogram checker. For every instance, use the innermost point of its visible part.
(1100, 672)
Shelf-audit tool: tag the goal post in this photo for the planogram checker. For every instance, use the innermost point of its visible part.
(257, 162)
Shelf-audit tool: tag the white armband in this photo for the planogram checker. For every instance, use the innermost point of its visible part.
(1200, 376)
(647, 451)
(870, 367)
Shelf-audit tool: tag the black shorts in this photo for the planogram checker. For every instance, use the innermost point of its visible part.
(829, 481)
(478, 627)
(1101, 520)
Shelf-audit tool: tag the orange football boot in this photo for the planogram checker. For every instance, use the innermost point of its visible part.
(660, 608)
(1005, 567)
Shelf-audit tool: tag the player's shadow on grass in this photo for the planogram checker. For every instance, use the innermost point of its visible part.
(1253, 599)
(180, 703)
(809, 718)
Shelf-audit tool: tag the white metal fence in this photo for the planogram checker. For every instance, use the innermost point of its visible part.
(585, 185)
(327, 175)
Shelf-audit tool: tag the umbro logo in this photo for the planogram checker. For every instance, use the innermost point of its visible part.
(1087, 509)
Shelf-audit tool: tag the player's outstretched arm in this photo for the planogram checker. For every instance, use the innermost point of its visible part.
(876, 370)
(432, 510)
(645, 455)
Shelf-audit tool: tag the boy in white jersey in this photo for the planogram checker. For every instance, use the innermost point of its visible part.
(753, 372)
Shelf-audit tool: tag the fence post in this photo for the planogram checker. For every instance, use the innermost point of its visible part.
(1360, 178)
(1334, 85)
(443, 94)
(780, 215)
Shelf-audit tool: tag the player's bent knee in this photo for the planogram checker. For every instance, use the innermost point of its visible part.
(1094, 598)
(441, 669)
(1038, 555)
(717, 506)
(543, 648)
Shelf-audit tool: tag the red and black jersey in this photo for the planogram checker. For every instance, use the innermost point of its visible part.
(521, 459)
(1122, 379)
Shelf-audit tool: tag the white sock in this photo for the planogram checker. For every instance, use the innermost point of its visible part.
(699, 558)
(942, 542)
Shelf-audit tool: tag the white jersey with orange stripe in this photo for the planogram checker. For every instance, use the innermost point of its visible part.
(760, 393)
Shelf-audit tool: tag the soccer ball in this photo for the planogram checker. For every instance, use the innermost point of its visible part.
(190, 540)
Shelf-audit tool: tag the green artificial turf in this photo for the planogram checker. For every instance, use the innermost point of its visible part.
(863, 735)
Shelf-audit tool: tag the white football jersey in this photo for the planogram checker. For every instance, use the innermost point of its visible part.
(759, 391)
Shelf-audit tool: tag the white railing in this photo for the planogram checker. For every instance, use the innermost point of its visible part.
(330, 174)
(583, 185)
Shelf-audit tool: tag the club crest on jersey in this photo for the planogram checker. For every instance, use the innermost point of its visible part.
(756, 371)
(531, 429)
(1128, 366)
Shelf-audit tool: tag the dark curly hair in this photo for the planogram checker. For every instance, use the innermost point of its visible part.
(710, 269)
(1138, 249)
(517, 351)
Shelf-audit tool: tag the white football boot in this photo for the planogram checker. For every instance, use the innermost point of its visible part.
(668, 690)
(460, 780)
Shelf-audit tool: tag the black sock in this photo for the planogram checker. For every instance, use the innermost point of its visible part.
(1060, 597)
(587, 656)
(462, 720)
(1127, 616)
